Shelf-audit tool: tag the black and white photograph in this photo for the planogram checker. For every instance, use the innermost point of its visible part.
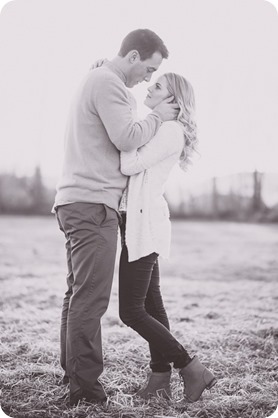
(138, 209)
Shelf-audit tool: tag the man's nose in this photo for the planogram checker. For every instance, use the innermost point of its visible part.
(148, 77)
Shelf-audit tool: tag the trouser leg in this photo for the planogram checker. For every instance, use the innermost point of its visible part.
(65, 309)
(134, 280)
(154, 306)
(92, 233)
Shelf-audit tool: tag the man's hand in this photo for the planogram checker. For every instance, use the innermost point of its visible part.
(167, 110)
(98, 63)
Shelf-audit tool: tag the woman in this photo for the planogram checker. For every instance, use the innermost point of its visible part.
(146, 235)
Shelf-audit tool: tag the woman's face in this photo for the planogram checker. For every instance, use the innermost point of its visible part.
(157, 93)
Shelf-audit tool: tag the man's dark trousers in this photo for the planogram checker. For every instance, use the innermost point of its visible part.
(91, 242)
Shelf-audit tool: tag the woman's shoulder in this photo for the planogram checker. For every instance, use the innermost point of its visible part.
(172, 130)
(172, 126)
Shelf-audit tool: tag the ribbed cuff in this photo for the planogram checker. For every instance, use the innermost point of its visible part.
(157, 117)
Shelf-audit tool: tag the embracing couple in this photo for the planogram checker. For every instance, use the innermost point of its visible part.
(114, 172)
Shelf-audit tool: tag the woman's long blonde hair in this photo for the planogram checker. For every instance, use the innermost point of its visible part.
(183, 93)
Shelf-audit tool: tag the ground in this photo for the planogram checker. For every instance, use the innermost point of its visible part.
(220, 290)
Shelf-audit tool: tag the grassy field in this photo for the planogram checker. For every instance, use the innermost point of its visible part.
(221, 294)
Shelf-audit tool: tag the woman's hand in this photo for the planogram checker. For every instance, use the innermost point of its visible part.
(98, 63)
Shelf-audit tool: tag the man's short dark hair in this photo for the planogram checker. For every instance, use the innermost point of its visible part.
(145, 41)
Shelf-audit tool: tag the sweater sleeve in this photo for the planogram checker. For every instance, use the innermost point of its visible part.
(115, 111)
(167, 141)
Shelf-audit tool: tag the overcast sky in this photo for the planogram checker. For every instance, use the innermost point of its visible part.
(227, 49)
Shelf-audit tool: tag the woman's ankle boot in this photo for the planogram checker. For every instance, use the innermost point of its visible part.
(196, 378)
(158, 385)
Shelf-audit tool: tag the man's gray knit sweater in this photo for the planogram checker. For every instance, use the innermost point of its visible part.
(101, 124)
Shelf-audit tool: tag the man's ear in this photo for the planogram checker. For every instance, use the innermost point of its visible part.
(133, 56)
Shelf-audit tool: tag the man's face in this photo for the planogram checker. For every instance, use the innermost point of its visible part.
(143, 70)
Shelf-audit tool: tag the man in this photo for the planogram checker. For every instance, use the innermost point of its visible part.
(101, 124)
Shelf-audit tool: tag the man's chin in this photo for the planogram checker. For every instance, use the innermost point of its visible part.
(131, 84)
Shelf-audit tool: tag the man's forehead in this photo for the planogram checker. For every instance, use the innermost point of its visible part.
(154, 61)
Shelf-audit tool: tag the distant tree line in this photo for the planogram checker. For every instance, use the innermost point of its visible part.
(25, 195)
(241, 203)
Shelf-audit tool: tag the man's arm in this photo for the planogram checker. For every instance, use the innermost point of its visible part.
(114, 109)
(166, 142)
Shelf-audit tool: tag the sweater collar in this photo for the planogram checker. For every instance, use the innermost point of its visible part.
(113, 67)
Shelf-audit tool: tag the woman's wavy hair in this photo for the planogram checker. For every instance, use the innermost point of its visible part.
(183, 94)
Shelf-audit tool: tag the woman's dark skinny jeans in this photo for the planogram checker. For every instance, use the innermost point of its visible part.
(141, 308)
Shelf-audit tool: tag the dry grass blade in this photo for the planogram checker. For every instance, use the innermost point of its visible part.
(221, 295)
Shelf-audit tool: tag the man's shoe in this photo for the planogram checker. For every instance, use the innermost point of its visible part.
(158, 385)
(196, 378)
(64, 380)
(82, 395)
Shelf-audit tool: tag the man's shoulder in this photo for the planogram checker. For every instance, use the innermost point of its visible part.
(103, 73)
(103, 80)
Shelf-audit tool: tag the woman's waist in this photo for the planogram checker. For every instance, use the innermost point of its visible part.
(153, 208)
(158, 201)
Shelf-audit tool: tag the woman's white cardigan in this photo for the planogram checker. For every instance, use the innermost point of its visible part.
(148, 227)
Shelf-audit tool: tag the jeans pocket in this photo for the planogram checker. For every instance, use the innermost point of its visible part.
(98, 213)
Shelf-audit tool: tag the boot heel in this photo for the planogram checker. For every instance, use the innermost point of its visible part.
(196, 378)
(211, 384)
